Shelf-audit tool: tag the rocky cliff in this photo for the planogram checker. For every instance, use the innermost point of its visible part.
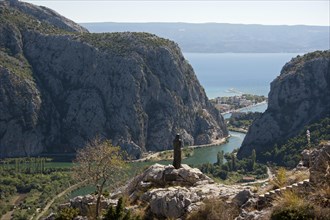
(61, 86)
(299, 96)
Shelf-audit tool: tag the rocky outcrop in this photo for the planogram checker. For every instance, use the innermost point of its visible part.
(60, 89)
(320, 169)
(87, 204)
(299, 96)
(173, 193)
(159, 175)
(46, 15)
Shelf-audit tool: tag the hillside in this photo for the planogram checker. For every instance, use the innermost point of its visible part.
(230, 38)
(299, 99)
(62, 86)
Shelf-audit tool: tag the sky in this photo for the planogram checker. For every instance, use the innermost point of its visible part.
(278, 12)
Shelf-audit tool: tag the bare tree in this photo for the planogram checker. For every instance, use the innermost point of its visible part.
(101, 164)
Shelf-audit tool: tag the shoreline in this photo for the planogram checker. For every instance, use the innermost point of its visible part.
(240, 130)
(241, 109)
(154, 155)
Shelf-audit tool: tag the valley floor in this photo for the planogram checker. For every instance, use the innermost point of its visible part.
(156, 156)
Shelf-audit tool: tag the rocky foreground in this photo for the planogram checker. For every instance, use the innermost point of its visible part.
(167, 193)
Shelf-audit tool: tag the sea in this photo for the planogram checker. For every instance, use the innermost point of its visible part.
(229, 74)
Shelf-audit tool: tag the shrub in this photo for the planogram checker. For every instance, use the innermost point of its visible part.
(288, 213)
(292, 206)
(119, 213)
(280, 179)
(67, 214)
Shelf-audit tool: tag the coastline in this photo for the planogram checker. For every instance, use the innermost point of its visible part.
(155, 155)
(241, 130)
(244, 108)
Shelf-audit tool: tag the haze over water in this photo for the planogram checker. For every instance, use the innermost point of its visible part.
(222, 73)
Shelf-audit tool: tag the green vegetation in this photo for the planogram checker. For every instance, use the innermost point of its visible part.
(254, 98)
(23, 21)
(17, 65)
(168, 154)
(232, 103)
(67, 214)
(119, 213)
(27, 184)
(123, 43)
(99, 162)
(13, 23)
(280, 180)
(288, 154)
(242, 120)
(298, 205)
(298, 61)
(234, 170)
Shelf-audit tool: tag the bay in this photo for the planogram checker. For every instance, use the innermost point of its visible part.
(228, 74)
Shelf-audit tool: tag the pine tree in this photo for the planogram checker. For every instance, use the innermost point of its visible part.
(220, 158)
(233, 162)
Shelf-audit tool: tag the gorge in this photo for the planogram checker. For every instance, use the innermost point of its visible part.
(62, 86)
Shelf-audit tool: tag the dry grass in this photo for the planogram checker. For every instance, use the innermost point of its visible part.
(291, 199)
(291, 206)
(297, 176)
(303, 205)
(280, 179)
(215, 209)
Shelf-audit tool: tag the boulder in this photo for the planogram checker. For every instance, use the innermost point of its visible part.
(159, 175)
(309, 155)
(170, 203)
(173, 193)
(320, 170)
(87, 204)
(242, 197)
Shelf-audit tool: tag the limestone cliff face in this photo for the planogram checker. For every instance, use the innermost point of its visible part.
(299, 96)
(45, 15)
(67, 88)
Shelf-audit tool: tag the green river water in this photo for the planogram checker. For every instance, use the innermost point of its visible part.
(200, 156)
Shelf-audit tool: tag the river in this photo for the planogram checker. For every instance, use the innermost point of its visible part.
(209, 154)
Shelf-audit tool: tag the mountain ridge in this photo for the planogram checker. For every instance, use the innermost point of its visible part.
(236, 38)
(299, 96)
(62, 88)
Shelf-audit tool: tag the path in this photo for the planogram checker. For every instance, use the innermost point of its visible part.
(270, 177)
(14, 201)
(56, 197)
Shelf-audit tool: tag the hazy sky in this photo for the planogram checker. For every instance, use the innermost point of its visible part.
(289, 12)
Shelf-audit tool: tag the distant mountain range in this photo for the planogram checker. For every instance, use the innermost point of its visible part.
(234, 38)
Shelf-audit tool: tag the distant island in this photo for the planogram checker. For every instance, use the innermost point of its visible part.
(229, 38)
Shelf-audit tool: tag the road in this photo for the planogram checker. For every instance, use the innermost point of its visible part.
(270, 177)
(14, 201)
(44, 211)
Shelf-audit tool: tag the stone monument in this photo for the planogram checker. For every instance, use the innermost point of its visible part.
(177, 144)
